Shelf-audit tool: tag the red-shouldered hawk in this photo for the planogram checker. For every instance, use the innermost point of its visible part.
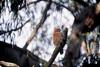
(57, 37)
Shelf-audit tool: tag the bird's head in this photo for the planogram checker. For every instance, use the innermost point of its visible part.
(56, 29)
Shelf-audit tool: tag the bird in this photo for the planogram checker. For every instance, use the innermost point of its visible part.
(57, 37)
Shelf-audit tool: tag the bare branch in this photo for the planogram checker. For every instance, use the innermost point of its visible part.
(82, 3)
(34, 2)
(9, 31)
(44, 16)
(62, 5)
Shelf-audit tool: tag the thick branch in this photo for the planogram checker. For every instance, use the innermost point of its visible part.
(14, 52)
(8, 64)
(44, 16)
(9, 31)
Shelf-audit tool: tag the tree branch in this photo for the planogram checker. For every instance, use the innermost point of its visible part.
(34, 2)
(68, 8)
(44, 16)
(82, 3)
(9, 31)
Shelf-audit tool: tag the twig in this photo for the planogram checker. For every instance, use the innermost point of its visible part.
(33, 2)
(9, 31)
